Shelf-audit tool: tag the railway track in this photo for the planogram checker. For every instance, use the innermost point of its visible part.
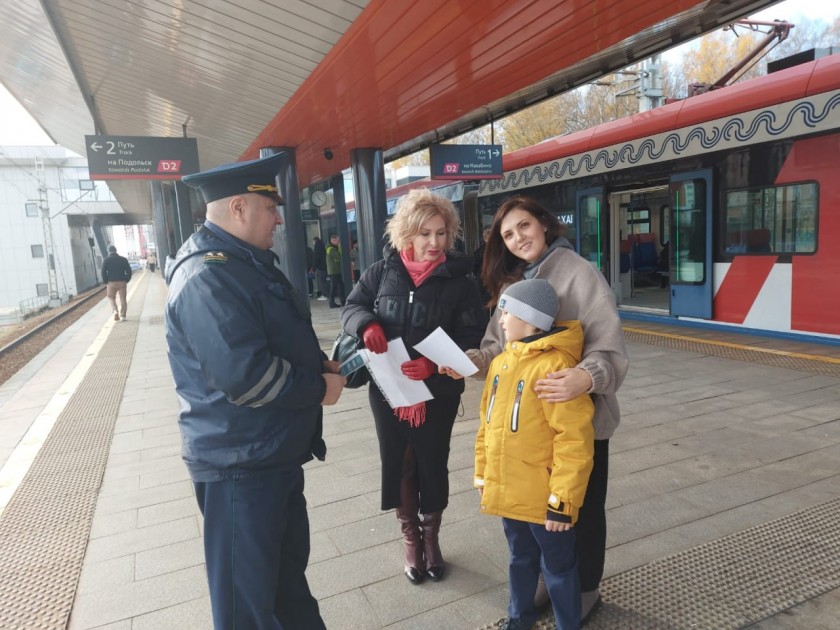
(24, 347)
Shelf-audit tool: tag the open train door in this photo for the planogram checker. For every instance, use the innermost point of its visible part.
(690, 245)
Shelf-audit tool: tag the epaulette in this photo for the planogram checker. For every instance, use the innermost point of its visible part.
(215, 258)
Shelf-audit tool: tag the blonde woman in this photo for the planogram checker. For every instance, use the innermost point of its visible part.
(419, 285)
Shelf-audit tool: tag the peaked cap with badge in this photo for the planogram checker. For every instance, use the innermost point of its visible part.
(238, 178)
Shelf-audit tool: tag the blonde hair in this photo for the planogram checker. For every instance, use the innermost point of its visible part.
(413, 210)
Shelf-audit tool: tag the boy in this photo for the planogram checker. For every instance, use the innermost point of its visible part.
(533, 459)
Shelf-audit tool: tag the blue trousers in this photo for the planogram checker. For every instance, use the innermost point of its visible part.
(256, 546)
(533, 548)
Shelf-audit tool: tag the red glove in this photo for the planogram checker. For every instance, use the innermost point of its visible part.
(374, 338)
(418, 369)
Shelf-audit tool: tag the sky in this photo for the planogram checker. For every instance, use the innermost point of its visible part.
(18, 127)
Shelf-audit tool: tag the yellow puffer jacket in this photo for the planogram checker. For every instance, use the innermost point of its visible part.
(533, 458)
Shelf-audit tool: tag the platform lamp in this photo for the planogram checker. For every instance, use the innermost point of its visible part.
(93, 260)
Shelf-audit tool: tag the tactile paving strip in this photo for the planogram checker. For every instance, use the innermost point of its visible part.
(729, 583)
(45, 527)
(791, 361)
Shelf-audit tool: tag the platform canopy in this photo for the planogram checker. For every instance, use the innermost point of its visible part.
(339, 74)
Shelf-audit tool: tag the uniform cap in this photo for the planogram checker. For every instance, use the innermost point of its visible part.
(238, 178)
(534, 301)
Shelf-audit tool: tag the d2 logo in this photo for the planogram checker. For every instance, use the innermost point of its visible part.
(451, 168)
(169, 166)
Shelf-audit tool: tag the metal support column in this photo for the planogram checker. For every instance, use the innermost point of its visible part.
(289, 239)
(371, 211)
(183, 208)
(164, 235)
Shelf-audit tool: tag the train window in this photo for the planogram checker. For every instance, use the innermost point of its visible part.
(772, 220)
(688, 253)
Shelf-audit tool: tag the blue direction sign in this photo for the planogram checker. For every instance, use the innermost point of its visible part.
(466, 161)
(141, 157)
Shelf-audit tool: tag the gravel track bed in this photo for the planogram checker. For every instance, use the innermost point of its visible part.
(15, 359)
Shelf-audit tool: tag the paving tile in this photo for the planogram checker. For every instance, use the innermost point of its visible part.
(142, 539)
(169, 558)
(348, 611)
(138, 598)
(194, 614)
(101, 576)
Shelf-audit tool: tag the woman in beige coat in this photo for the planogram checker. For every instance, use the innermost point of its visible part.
(525, 242)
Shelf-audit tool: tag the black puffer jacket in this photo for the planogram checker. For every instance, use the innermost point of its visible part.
(448, 298)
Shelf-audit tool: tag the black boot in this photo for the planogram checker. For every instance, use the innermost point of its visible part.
(431, 548)
(407, 515)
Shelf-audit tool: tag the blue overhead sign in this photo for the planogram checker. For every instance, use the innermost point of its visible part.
(466, 161)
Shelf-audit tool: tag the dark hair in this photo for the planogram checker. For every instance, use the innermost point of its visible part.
(500, 267)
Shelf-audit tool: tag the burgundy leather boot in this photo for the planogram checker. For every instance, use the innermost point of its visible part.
(407, 515)
(434, 558)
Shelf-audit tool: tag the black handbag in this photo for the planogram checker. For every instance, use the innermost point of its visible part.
(344, 346)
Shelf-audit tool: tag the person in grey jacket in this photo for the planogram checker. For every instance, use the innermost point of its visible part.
(525, 241)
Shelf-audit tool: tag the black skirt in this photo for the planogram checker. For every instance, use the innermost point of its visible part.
(430, 442)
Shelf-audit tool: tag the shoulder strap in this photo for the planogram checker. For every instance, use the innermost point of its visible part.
(379, 289)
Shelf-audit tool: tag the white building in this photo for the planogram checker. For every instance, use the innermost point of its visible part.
(47, 207)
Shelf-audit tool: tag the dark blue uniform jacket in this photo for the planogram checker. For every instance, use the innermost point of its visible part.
(246, 362)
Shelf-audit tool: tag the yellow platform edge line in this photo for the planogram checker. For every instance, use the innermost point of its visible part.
(727, 344)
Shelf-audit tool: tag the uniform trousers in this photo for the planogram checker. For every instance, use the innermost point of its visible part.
(256, 547)
(591, 528)
(533, 548)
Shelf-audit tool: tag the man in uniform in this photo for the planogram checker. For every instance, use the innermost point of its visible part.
(251, 379)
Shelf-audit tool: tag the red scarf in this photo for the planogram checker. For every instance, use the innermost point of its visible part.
(419, 272)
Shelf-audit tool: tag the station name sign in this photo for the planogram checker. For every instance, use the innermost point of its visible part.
(140, 157)
(466, 161)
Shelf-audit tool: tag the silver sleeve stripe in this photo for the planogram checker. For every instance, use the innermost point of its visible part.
(272, 393)
(267, 377)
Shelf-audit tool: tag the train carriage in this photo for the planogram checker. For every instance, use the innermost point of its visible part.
(724, 207)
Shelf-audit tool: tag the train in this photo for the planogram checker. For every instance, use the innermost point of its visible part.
(720, 209)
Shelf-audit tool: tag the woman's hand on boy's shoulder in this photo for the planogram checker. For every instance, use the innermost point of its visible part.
(564, 385)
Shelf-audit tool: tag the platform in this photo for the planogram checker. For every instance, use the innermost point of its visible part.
(723, 499)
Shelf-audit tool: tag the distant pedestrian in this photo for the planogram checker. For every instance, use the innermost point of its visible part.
(334, 272)
(319, 262)
(354, 262)
(116, 272)
(310, 271)
(151, 261)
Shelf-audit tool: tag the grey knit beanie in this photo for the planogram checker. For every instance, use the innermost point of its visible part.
(533, 301)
